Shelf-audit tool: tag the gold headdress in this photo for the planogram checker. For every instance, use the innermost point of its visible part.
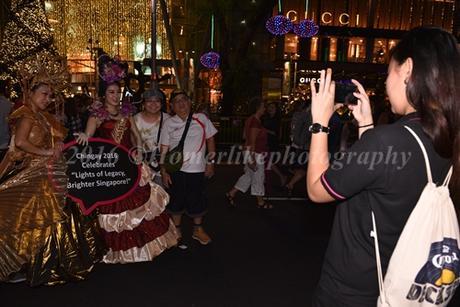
(45, 69)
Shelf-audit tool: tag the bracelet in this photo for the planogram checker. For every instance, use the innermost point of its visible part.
(366, 126)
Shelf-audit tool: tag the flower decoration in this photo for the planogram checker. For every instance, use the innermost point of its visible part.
(306, 28)
(278, 25)
(210, 60)
(98, 110)
(111, 70)
(127, 108)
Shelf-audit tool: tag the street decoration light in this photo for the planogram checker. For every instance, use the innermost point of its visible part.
(279, 24)
(306, 27)
(211, 59)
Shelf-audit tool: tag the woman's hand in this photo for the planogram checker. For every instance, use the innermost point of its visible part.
(322, 101)
(166, 178)
(362, 110)
(138, 157)
(82, 138)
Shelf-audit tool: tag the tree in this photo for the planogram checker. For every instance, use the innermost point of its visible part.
(238, 24)
(25, 33)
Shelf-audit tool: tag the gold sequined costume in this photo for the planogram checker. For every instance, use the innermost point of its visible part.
(40, 236)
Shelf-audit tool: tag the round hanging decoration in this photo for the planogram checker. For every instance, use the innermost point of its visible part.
(306, 28)
(210, 59)
(278, 25)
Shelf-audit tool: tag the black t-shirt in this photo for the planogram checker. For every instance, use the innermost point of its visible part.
(384, 170)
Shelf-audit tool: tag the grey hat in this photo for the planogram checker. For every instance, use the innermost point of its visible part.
(153, 94)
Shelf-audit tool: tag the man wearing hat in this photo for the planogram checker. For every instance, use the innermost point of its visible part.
(149, 122)
(187, 186)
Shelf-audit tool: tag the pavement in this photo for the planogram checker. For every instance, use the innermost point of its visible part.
(257, 258)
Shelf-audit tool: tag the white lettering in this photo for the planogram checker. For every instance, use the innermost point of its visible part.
(341, 19)
(292, 15)
(323, 18)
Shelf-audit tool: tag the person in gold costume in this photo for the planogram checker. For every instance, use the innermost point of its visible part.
(43, 239)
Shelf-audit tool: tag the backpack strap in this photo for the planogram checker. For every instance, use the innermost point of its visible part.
(447, 180)
(425, 155)
(377, 258)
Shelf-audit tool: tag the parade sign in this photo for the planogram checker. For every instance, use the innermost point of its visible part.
(100, 173)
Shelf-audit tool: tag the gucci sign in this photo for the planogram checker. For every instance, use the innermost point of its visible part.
(326, 17)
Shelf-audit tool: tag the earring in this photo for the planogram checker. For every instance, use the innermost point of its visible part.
(406, 81)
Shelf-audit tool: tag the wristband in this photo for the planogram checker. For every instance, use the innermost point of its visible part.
(364, 126)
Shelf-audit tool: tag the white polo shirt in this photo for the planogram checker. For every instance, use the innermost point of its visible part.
(201, 129)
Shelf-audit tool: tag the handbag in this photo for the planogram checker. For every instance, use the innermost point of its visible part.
(175, 157)
(424, 268)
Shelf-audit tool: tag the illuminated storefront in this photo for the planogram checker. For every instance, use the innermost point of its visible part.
(355, 36)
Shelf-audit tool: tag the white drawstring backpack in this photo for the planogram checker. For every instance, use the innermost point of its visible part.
(424, 268)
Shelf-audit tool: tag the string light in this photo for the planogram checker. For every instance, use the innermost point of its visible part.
(211, 59)
(278, 25)
(120, 26)
(306, 28)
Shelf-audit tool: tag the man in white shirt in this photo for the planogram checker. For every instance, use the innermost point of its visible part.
(187, 186)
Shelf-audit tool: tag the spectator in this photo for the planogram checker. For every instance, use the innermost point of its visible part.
(272, 122)
(187, 186)
(256, 148)
(300, 141)
(150, 122)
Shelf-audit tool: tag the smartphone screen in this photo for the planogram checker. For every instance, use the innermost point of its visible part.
(344, 92)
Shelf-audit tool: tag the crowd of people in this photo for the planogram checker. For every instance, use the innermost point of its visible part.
(44, 238)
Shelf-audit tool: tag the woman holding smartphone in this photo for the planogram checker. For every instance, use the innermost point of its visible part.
(423, 87)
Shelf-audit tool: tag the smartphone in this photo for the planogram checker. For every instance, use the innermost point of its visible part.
(344, 92)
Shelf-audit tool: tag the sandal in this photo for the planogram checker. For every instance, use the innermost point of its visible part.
(231, 200)
(265, 206)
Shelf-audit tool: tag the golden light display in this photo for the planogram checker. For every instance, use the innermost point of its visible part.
(121, 28)
(26, 34)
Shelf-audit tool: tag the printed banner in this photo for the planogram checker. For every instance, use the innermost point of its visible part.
(100, 173)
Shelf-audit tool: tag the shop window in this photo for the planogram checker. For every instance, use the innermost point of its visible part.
(314, 49)
(333, 49)
(382, 49)
(291, 43)
(357, 49)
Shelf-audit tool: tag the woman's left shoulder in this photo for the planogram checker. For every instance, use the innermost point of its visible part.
(387, 134)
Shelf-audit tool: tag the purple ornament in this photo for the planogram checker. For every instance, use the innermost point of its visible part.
(306, 28)
(278, 25)
(210, 59)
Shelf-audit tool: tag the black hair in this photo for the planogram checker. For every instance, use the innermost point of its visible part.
(254, 104)
(433, 89)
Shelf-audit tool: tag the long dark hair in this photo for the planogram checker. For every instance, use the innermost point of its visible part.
(433, 89)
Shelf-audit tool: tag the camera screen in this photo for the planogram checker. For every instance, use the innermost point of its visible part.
(344, 93)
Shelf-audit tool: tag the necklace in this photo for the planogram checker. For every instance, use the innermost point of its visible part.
(114, 114)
